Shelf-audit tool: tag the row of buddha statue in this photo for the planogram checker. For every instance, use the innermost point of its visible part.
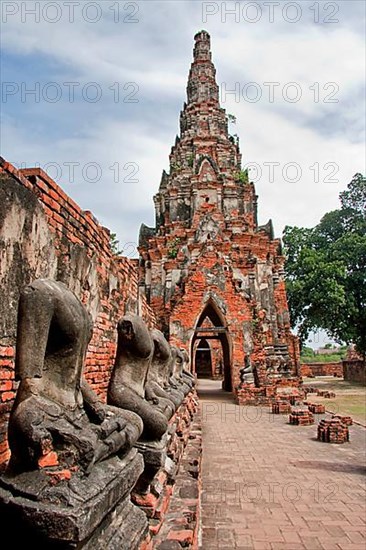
(79, 467)
(57, 419)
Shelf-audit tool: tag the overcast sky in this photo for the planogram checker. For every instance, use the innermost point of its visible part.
(110, 78)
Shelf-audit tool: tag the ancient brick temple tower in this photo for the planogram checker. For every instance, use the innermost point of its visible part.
(213, 276)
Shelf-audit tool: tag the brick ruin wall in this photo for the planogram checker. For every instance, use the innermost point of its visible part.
(355, 371)
(209, 278)
(322, 369)
(44, 233)
(352, 371)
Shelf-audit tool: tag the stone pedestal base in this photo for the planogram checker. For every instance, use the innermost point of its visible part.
(86, 512)
(162, 459)
(154, 454)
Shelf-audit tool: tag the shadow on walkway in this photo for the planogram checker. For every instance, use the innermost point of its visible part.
(267, 485)
(211, 390)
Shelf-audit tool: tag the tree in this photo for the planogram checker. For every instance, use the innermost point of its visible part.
(355, 196)
(114, 244)
(326, 271)
(307, 351)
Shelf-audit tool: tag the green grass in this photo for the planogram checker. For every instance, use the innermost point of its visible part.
(331, 358)
(350, 397)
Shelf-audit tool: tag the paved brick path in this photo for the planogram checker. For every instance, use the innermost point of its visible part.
(269, 485)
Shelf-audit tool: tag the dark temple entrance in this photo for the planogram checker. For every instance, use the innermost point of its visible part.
(203, 359)
(211, 326)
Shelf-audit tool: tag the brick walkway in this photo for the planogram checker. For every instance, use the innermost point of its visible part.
(269, 485)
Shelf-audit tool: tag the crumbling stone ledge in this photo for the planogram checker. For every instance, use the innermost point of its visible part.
(180, 527)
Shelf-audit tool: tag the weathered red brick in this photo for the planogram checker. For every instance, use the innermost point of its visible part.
(7, 395)
(7, 351)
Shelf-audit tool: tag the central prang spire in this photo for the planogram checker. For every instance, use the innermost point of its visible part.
(202, 84)
(202, 114)
(201, 50)
(205, 161)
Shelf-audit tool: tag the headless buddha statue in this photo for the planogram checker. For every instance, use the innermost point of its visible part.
(161, 369)
(156, 375)
(56, 418)
(176, 369)
(186, 371)
(127, 385)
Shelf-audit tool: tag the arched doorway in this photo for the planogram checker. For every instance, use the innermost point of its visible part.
(215, 329)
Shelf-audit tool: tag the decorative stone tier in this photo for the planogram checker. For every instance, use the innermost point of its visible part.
(301, 417)
(333, 431)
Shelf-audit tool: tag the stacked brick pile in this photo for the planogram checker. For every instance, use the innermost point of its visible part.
(346, 420)
(310, 389)
(322, 393)
(248, 394)
(327, 394)
(333, 431)
(301, 417)
(281, 407)
(291, 394)
(316, 408)
(293, 398)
